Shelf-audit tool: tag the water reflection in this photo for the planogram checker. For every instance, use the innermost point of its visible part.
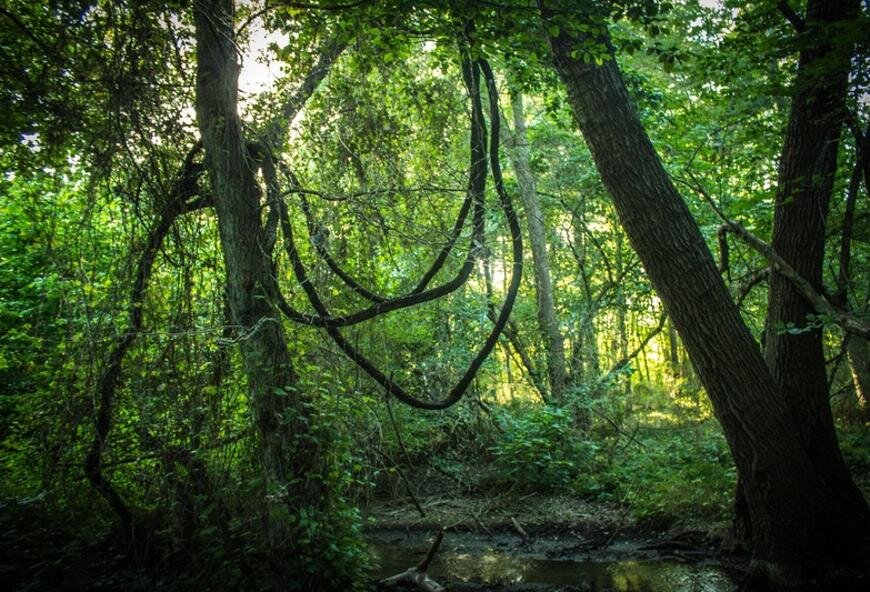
(490, 566)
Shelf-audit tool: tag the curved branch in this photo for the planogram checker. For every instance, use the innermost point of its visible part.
(437, 264)
(110, 377)
(636, 351)
(478, 155)
(476, 188)
(847, 322)
(315, 233)
(422, 284)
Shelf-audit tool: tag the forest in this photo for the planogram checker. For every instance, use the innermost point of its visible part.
(491, 295)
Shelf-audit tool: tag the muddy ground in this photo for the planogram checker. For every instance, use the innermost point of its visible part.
(510, 542)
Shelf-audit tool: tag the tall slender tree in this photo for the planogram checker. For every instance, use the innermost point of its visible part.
(548, 322)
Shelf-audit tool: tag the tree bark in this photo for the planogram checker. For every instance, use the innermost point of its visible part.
(858, 353)
(289, 456)
(807, 167)
(673, 352)
(518, 152)
(801, 528)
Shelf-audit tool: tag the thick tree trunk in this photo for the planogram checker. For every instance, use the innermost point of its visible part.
(806, 176)
(801, 529)
(518, 152)
(289, 457)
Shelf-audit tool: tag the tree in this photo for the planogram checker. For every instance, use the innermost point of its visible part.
(807, 168)
(802, 528)
(295, 485)
(518, 151)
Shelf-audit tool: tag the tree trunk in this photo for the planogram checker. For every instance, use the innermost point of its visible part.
(673, 352)
(859, 365)
(621, 333)
(518, 152)
(807, 168)
(801, 528)
(289, 457)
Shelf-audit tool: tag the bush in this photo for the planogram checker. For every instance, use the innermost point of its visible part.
(541, 450)
(677, 475)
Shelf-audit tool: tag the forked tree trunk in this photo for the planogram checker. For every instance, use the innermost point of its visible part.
(289, 457)
(801, 528)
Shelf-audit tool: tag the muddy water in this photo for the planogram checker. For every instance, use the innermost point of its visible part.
(627, 568)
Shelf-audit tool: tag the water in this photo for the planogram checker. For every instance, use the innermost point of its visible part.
(489, 565)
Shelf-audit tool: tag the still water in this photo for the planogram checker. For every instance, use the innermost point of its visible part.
(496, 566)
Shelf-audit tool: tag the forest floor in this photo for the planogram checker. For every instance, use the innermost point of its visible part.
(509, 541)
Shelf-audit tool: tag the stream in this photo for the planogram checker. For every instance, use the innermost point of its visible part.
(560, 562)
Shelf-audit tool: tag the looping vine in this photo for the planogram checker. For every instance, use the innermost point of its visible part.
(478, 169)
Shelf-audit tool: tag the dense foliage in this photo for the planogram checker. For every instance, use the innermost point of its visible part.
(101, 113)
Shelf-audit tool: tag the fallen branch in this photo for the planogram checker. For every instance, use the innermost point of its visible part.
(417, 576)
(520, 530)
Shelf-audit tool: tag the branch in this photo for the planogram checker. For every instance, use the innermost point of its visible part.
(847, 322)
(110, 377)
(407, 458)
(634, 353)
(416, 576)
(330, 49)
(752, 280)
(476, 183)
(437, 264)
(791, 16)
(357, 194)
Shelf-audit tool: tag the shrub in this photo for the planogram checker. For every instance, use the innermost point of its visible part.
(677, 475)
(541, 450)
